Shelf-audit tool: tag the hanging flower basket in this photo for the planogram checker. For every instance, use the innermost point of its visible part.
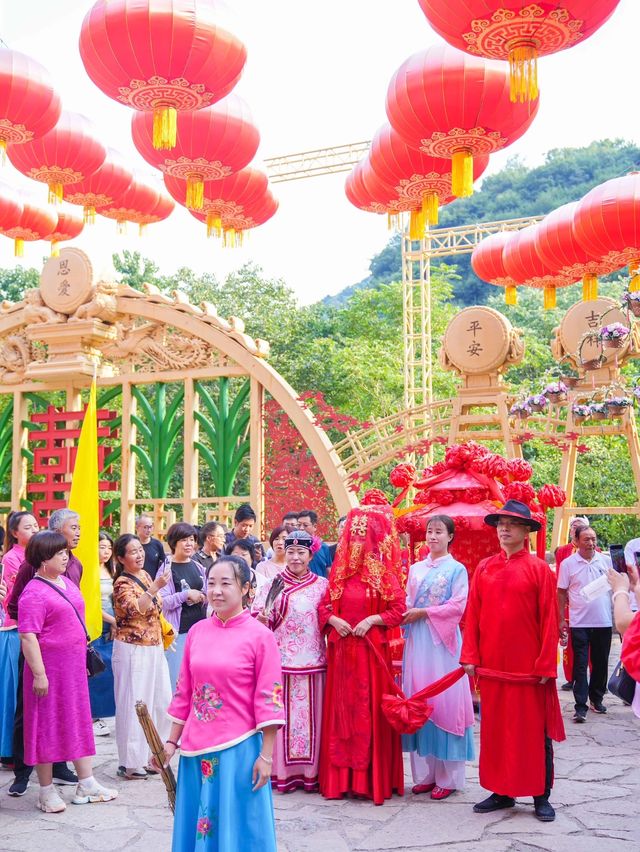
(614, 336)
(632, 302)
(580, 413)
(556, 392)
(598, 411)
(569, 381)
(520, 409)
(618, 405)
(593, 338)
(538, 402)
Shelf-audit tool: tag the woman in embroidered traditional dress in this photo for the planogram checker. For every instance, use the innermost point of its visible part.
(294, 621)
(437, 591)
(226, 710)
(360, 752)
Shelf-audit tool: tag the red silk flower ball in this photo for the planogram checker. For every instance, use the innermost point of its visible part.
(402, 475)
(551, 497)
(522, 491)
(519, 470)
(374, 497)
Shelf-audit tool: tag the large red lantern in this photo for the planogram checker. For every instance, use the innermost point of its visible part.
(606, 224)
(487, 262)
(456, 107)
(163, 209)
(37, 222)
(524, 265)
(110, 182)
(235, 227)
(10, 208)
(361, 195)
(161, 56)
(421, 179)
(211, 144)
(69, 226)
(558, 247)
(69, 153)
(517, 30)
(136, 203)
(29, 106)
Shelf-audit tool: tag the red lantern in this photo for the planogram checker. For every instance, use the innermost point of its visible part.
(360, 195)
(161, 57)
(517, 30)
(10, 208)
(423, 180)
(29, 107)
(69, 153)
(163, 209)
(70, 225)
(558, 247)
(137, 202)
(212, 143)
(110, 182)
(488, 264)
(234, 227)
(523, 263)
(454, 106)
(36, 223)
(606, 224)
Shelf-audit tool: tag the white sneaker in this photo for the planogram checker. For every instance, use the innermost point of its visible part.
(100, 729)
(50, 802)
(95, 793)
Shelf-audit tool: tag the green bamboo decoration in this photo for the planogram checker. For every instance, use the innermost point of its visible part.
(6, 447)
(226, 428)
(159, 426)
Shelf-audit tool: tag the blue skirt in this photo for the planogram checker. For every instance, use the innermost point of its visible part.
(9, 653)
(216, 810)
(432, 740)
(101, 694)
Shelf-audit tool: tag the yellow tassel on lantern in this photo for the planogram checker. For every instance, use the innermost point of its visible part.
(510, 295)
(229, 238)
(56, 192)
(589, 287)
(3, 152)
(633, 267)
(164, 127)
(195, 192)
(55, 248)
(18, 247)
(121, 228)
(142, 229)
(462, 173)
(523, 68)
(89, 215)
(393, 220)
(214, 225)
(634, 284)
(549, 299)
(416, 225)
(430, 207)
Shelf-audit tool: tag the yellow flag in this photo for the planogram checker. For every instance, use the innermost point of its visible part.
(84, 500)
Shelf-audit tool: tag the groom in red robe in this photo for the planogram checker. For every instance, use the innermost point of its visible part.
(511, 643)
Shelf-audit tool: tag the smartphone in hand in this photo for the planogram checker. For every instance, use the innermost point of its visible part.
(616, 551)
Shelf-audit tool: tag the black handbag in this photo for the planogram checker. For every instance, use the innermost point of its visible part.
(621, 684)
(95, 664)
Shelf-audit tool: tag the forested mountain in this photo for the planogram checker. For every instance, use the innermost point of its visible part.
(516, 191)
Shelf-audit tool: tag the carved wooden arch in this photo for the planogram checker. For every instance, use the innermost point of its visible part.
(230, 343)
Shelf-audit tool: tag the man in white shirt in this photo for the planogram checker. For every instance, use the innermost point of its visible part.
(590, 622)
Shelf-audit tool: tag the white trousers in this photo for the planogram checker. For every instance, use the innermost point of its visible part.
(431, 770)
(140, 673)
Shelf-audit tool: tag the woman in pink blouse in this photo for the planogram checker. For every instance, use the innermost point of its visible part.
(225, 713)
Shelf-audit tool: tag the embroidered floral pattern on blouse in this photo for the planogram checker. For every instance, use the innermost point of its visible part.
(274, 697)
(434, 590)
(203, 827)
(208, 768)
(206, 702)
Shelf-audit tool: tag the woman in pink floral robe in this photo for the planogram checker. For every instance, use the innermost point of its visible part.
(294, 622)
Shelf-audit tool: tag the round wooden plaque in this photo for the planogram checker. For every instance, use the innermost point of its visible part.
(585, 316)
(66, 281)
(477, 340)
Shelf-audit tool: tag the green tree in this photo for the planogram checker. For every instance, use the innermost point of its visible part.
(135, 270)
(14, 282)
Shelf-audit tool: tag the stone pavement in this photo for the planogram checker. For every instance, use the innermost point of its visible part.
(597, 797)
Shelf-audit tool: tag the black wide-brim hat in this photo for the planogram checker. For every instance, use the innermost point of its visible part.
(513, 509)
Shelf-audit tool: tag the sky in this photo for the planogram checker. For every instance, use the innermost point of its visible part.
(316, 76)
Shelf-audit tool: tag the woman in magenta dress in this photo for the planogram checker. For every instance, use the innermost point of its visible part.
(360, 752)
(57, 713)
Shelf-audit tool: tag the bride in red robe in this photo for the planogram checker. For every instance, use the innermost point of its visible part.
(361, 754)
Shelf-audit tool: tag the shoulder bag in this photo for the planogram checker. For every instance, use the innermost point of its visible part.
(95, 663)
(621, 684)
